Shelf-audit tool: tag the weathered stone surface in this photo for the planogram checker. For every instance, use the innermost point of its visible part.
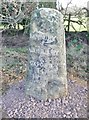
(46, 76)
(88, 17)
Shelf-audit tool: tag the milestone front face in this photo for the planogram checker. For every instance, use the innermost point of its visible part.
(46, 75)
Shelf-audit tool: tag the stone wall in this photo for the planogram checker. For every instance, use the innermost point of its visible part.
(46, 75)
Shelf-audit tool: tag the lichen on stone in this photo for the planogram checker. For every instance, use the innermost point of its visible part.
(47, 59)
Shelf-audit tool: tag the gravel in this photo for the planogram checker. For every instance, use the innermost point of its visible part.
(17, 105)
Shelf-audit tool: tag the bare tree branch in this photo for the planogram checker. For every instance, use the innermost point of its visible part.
(17, 18)
(67, 7)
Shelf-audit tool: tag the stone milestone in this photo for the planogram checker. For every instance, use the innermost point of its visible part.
(88, 16)
(46, 74)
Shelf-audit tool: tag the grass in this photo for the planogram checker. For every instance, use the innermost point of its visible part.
(14, 66)
(75, 25)
(20, 26)
(18, 50)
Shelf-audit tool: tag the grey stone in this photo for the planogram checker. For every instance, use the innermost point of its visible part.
(46, 75)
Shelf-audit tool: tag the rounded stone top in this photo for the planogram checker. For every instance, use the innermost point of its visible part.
(44, 12)
(46, 20)
(50, 10)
